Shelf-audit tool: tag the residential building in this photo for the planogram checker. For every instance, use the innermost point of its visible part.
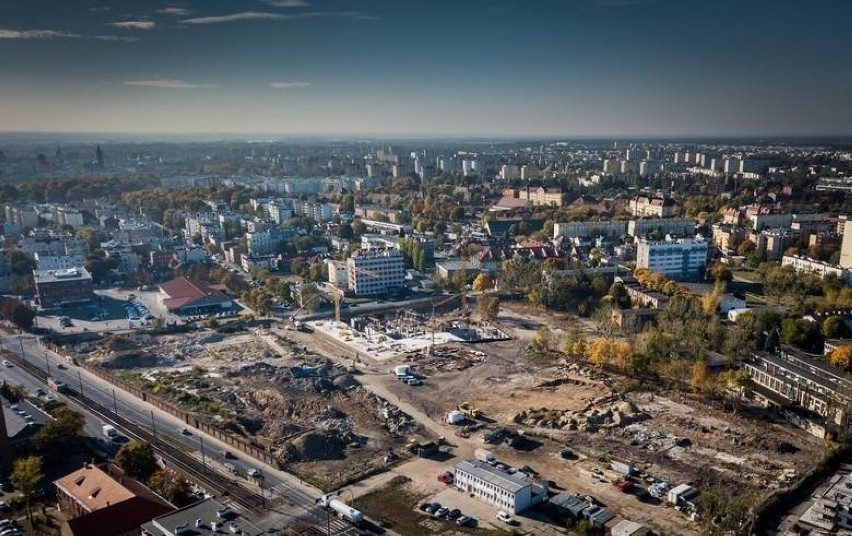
(60, 288)
(509, 172)
(375, 271)
(205, 517)
(102, 500)
(590, 228)
(512, 492)
(185, 296)
(831, 510)
(846, 246)
(337, 275)
(814, 267)
(69, 216)
(660, 207)
(679, 259)
(46, 261)
(727, 238)
(258, 262)
(679, 226)
(544, 196)
(796, 381)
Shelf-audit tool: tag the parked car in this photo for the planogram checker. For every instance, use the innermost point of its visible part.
(466, 521)
(424, 505)
(7, 364)
(253, 473)
(442, 512)
(433, 507)
(454, 514)
(506, 518)
(60, 366)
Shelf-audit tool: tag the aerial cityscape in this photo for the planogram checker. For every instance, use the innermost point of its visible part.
(324, 267)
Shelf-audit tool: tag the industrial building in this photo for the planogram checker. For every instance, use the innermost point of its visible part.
(208, 516)
(512, 492)
(59, 288)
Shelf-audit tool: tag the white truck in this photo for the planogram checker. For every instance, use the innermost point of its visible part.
(343, 510)
(109, 431)
(485, 456)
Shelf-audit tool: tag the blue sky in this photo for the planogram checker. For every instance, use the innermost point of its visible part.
(486, 67)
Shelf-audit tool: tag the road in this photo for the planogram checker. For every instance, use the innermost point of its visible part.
(296, 500)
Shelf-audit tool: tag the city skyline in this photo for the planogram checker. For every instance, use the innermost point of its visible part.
(322, 67)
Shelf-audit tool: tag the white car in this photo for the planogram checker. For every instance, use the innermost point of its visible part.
(506, 518)
(254, 473)
(7, 364)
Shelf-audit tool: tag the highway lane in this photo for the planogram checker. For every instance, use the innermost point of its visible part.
(299, 498)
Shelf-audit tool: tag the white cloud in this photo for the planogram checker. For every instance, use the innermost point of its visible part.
(234, 17)
(168, 84)
(56, 34)
(288, 3)
(175, 11)
(261, 15)
(289, 85)
(133, 24)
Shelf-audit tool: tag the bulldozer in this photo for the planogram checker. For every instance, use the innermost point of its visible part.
(467, 409)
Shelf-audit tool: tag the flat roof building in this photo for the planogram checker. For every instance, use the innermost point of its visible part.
(512, 492)
(65, 287)
(208, 516)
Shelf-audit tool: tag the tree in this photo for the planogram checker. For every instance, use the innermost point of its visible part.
(61, 435)
(16, 312)
(26, 474)
(833, 327)
(137, 459)
(841, 357)
(345, 231)
(482, 282)
(801, 333)
(158, 481)
(541, 340)
(700, 378)
(489, 307)
(179, 492)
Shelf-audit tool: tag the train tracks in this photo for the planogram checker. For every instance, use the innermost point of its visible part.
(173, 455)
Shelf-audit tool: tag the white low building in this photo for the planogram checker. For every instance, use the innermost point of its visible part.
(512, 492)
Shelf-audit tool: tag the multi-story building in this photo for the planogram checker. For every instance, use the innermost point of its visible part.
(678, 226)
(727, 237)
(337, 275)
(69, 216)
(814, 267)
(46, 261)
(58, 288)
(509, 172)
(792, 379)
(590, 228)
(374, 271)
(544, 196)
(846, 245)
(679, 259)
(660, 207)
(512, 492)
(102, 500)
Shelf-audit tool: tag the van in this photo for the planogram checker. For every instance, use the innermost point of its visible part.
(230, 467)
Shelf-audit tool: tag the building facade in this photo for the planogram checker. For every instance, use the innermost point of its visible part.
(511, 492)
(58, 288)
(679, 259)
(660, 207)
(375, 271)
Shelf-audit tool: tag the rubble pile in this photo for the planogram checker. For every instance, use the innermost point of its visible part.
(599, 414)
(445, 359)
(644, 437)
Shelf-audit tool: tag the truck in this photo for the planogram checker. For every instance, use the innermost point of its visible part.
(57, 385)
(484, 456)
(402, 371)
(343, 510)
(109, 431)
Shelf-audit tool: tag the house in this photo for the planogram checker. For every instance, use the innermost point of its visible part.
(660, 207)
(512, 492)
(100, 499)
(185, 296)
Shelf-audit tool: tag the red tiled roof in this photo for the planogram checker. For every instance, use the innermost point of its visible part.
(183, 291)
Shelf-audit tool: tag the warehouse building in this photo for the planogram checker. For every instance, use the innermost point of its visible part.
(512, 492)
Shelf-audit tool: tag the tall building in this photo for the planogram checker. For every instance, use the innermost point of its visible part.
(846, 246)
(679, 259)
(374, 271)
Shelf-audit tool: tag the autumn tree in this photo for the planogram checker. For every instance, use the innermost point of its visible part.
(541, 342)
(699, 380)
(482, 282)
(833, 327)
(841, 357)
(488, 306)
(26, 474)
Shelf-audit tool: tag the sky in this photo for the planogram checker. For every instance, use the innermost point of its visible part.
(427, 67)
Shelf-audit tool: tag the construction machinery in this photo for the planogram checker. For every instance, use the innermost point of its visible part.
(467, 409)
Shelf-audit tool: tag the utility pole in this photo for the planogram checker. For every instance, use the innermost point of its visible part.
(80, 379)
(22, 349)
(153, 425)
(46, 364)
(114, 403)
(203, 459)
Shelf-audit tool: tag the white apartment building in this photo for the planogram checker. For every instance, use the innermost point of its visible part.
(846, 245)
(509, 172)
(815, 267)
(337, 275)
(679, 259)
(260, 243)
(660, 207)
(511, 492)
(374, 271)
(46, 261)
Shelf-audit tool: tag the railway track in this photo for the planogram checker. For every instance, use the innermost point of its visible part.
(173, 455)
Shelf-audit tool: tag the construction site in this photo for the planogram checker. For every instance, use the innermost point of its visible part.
(327, 401)
(321, 423)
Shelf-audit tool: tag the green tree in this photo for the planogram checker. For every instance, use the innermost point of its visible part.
(137, 459)
(801, 333)
(26, 474)
(833, 327)
(60, 435)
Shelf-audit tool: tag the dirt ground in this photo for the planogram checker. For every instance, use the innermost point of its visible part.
(316, 416)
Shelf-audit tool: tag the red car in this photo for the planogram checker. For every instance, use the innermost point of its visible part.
(446, 478)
